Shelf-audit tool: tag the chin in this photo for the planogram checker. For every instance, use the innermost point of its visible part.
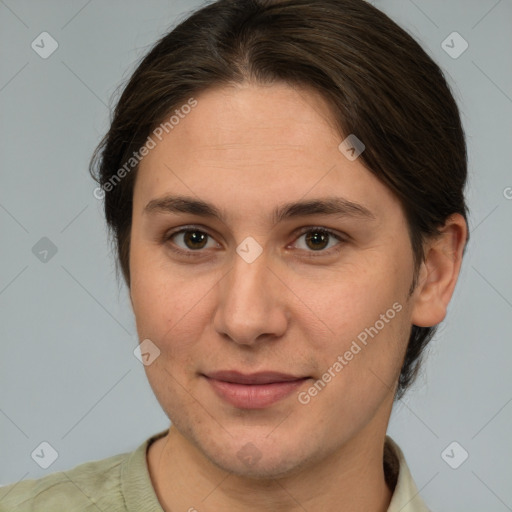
(268, 467)
(260, 458)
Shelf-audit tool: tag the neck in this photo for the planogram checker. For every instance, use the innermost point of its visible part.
(350, 479)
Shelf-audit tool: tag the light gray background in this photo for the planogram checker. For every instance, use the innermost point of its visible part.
(68, 375)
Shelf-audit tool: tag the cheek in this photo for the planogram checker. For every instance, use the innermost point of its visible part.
(170, 307)
(368, 320)
(348, 301)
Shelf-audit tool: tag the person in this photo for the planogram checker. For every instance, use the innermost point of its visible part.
(284, 181)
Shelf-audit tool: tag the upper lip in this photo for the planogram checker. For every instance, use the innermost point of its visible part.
(252, 378)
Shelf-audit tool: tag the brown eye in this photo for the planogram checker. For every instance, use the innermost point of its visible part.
(319, 240)
(195, 239)
(189, 240)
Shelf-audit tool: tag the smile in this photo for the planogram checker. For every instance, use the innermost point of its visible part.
(255, 391)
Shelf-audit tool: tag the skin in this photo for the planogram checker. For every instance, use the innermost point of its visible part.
(247, 149)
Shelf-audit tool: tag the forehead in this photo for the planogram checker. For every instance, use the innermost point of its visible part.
(249, 145)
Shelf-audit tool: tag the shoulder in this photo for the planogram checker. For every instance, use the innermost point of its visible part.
(84, 487)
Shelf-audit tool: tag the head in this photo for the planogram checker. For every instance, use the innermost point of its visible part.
(243, 109)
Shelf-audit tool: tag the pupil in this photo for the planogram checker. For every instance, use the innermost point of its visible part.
(317, 237)
(195, 239)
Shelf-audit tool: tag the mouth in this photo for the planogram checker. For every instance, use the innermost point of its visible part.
(253, 391)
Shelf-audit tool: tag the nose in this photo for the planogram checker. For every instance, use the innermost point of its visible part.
(251, 303)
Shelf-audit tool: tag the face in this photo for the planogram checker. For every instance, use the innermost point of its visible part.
(317, 292)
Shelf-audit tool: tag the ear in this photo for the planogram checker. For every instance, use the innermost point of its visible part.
(439, 272)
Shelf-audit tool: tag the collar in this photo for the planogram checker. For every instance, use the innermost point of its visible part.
(406, 497)
(140, 495)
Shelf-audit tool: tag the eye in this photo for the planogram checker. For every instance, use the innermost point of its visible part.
(189, 240)
(318, 239)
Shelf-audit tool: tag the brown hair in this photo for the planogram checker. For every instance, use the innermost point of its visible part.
(379, 82)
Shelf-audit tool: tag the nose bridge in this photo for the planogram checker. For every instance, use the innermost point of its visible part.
(249, 304)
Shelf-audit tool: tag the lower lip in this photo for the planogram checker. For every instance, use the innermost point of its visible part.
(254, 396)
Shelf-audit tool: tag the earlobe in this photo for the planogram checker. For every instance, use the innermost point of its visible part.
(439, 273)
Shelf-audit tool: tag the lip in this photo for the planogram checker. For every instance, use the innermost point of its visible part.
(253, 391)
(252, 378)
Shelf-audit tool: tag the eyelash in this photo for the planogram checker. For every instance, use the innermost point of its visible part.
(309, 254)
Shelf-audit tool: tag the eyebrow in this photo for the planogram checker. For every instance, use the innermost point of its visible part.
(332, 206)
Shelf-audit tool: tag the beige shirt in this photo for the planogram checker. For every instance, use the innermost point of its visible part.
(122, 483)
